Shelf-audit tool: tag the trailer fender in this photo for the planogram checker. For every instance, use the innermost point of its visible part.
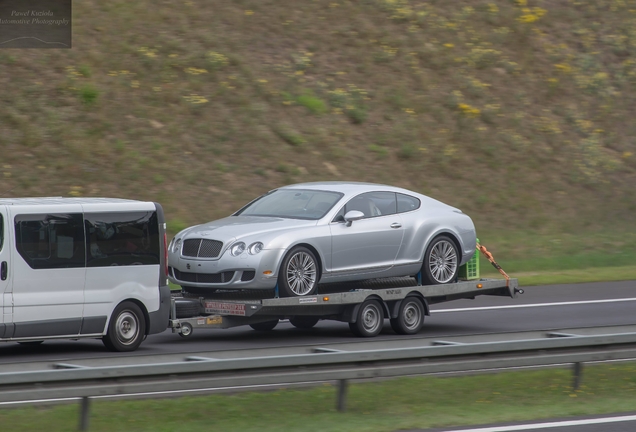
(350, 314)
(394, 306)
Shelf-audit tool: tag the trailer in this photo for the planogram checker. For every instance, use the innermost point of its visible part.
(364, 305)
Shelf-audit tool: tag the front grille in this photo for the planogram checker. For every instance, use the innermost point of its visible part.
(248, 275)
(202, 248)
(203, 277)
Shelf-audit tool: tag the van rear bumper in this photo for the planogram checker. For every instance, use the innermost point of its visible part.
(159, 319)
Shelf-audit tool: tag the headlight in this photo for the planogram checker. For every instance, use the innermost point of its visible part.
(255, 248)
(237, 248)
(176, 245)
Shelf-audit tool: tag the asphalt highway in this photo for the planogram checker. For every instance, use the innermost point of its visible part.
(539, 308)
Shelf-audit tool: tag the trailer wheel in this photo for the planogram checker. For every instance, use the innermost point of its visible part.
(126, 329)
(265, 326)
(303, 322)
(185, 330)
(298, 274)
(410, 317)
(440, 262)
(369, 321)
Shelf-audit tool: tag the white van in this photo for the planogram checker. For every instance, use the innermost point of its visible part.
(82, 268)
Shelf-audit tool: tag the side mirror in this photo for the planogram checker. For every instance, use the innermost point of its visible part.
(353, 215)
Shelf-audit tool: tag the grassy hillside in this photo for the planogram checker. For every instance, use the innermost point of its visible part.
(518, 112)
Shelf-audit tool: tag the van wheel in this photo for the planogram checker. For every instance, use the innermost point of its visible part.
(126, 329)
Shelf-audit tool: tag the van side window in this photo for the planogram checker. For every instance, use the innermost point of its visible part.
(48, 241)
(120, 239)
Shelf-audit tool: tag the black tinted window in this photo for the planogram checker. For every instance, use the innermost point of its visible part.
(406, 203)
(116, 239)
(51, 241)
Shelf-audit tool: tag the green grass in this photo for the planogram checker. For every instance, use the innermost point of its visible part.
(405, 403)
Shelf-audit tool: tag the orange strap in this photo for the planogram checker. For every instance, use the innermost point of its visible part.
(490, 258)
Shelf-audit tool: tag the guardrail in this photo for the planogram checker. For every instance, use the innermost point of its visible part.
(195, 373)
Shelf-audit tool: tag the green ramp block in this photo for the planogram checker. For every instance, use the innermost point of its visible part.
(470, 270)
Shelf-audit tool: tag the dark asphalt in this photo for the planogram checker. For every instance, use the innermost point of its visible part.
(437, 325)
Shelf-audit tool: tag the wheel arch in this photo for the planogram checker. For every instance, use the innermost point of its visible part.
(448, 234)
(394, 307)
(351, 315)
(141, 306)
(316, 254)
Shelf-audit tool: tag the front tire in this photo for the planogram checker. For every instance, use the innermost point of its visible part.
(126, 329)
(441, 262)
(298, 276)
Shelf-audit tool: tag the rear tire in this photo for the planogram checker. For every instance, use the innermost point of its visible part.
(126, 329)
(369, 320)
(410, 317)
(303, 322)
(265, 326)
(441, 262)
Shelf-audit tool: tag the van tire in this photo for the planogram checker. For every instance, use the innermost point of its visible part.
(126, 329)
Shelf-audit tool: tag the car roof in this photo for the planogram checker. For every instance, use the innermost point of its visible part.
(348, 187)
(64, 200)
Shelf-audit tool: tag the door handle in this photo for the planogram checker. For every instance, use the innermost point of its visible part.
(4, 270)
(396, 225)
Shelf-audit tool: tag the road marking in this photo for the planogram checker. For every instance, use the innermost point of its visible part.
(549, 425)
(535, 305)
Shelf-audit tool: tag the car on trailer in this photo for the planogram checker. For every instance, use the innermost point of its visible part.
(295, 237)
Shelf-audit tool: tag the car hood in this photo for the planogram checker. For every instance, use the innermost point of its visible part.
(237, 227)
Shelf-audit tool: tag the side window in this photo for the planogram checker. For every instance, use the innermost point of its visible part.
(51, 240)
(372, 204)
(1, 232)
(120, 239)
(406, 203)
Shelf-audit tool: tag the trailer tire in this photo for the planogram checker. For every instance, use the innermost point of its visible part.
(441, 262)
(265, 326)
(126, 329)
(303, 322)
(369, 319)
(187, 308)
(410, 317)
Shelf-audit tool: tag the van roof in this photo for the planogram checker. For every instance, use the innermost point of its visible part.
(64, 200)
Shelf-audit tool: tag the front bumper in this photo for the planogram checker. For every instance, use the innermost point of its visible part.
(227, 271)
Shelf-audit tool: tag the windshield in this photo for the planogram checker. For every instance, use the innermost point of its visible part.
(292, 203)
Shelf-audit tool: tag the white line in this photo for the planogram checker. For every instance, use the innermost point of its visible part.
(535, 305)
(536, 426)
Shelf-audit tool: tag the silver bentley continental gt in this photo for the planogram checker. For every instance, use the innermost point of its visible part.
(296, 236)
